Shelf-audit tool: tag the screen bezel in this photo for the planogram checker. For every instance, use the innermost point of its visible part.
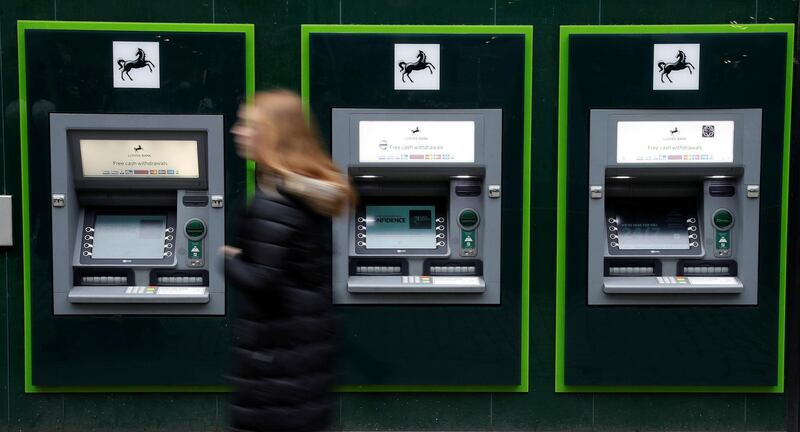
(90, 218)
(74, 137)
(612, 206)
(440, 207)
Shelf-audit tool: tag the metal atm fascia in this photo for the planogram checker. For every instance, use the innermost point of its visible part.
(486, 167)
(68, 215)
(744, 171)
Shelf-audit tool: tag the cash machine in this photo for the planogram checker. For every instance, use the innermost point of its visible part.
(672, 215)
(430, 267)
(427, 227)
(673, 206)
(138, 201)
(130, 187)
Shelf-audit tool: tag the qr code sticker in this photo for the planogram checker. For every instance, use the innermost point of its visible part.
(708, 131)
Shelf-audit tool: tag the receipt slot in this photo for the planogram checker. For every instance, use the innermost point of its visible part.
(674, 215)
(426, 229)
(133, 218)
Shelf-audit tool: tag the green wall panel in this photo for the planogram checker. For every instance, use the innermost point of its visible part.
(139, 10)
(418, 12)
(277, 64)
(694, 12)
(277, 33)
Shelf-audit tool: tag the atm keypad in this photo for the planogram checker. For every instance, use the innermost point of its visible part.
(672, 280)
(417, 280)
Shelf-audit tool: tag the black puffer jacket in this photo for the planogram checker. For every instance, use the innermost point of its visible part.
(283, 358)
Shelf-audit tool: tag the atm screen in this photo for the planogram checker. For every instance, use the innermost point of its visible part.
(129, 236)
(400, 227)
(138, 158)
(655, 224)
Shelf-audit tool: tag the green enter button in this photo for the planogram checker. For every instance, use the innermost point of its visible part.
(722, 219)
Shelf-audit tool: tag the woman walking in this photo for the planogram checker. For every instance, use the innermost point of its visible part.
(283, 358)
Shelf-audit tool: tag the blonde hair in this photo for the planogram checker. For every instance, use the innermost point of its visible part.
(286, 143)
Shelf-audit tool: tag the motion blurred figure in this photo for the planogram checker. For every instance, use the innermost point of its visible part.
(283, 358)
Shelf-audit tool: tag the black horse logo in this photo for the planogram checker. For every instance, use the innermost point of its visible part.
(674, 131)
(667, 68)
(413, 131)
(138, 149)
(126, 65)
(420, 64)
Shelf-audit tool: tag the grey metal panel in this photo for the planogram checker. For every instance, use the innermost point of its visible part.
(649, 286)
(744, 170)
(488, 156)
(67, 221)
(394, 284)
(6, 221)
(106, 295)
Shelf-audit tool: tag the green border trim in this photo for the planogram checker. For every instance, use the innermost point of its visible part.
(566, 31)
(526, 31)
(22, 26)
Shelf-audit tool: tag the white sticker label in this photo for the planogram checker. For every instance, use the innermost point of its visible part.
(416, 67)
(181, 291)
(713, 281)
(667, 142)
(136, 65)
(416, 142)
(139, 158)
(456, 280)
(676, 67)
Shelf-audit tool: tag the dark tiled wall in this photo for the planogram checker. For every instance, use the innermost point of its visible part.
(278, 64)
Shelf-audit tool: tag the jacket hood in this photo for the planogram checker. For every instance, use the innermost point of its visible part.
(321, 196)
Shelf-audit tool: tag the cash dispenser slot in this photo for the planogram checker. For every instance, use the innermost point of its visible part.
(707, 268)
(632, 268)
(102, 277)
(439, 267)
(378, 266)
(179, 278)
